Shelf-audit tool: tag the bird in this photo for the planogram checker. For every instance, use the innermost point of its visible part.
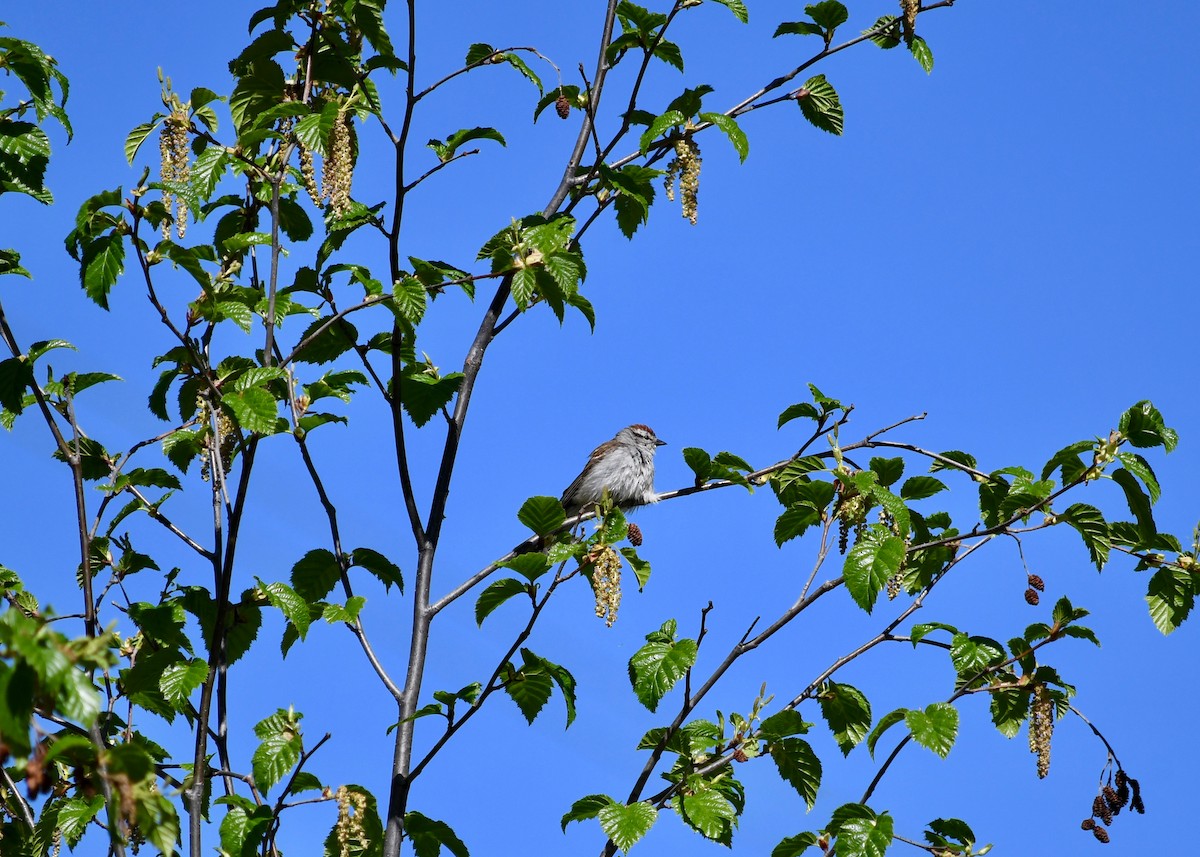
(624, 466)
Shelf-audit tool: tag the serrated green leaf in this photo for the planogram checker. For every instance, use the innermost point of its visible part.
(1143, 426)
(315, 574)
(496, 594)
(657, 666)
(783, 724)
(1092, 528)
(423, 395)
(729, 125)
(659, 126)
(276, 755)
(848, 713)
(866, 835)
(1171, 594)
(875, 558)
(530, 690)
(586, 807)
(921, 51)
(885, 723)
(935, 728)
(794, 846)
(179, 680)
(625, 825)
(543, 515)
(708, 813)
(799, 766)
(921, 487)
(386, 571)
(738, 8)
(820, 104)
(289, 602)
(255, 410)
(429, 836)
(1139, 503)
(886, 32)
(829, 14)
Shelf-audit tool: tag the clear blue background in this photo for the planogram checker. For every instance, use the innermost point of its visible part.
(1007, 244)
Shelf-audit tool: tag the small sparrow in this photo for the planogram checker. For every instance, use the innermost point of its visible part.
(624, 466)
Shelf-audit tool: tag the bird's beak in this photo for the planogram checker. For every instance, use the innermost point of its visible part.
(658, 442)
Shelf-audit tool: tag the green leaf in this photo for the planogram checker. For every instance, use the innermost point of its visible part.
(820, 104)
(885, 723)
(1009, 709)
(496, 594)
(330, 339)
(657, 666)
(386, 571)
(1139, 503)
(429, 836)
(16, 375)
(870, 563)
(972, 655)
(625, 825)
(799, 766)
(294, 608)
(102, 262)
(519, 64)
(830, 14)
(847, 712)
(641, 567)
(1092, 528)
(478, 52)
(738, 8)
(708, 813)
(865, 834)
(935, 728)
(543, 515)
(794, 846)
(1140, 468)
(137, 136)
(923, 54)
(798, 28)
(529, 689)
(659, 126)
(586, 807)
(964, 458)
(348, 612)
(794, 412)
(741, 144)
(531, 566)
(254, 409)
(920, 487)
(1170, 596)
(409, 296)
(315, 575)
(888, 469)
(424, 395)
(276, 755)
(783, 724)
(74, 816)
(179, 680)
(1143, 425)
(886, 32)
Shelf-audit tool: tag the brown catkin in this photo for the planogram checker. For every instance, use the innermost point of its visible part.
(173, 151)
(606, 583)
(1031, 597)
(562, 106)
(1037, 583)
(1041, 729)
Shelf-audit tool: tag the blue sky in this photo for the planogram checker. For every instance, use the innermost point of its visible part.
(1007, 244)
